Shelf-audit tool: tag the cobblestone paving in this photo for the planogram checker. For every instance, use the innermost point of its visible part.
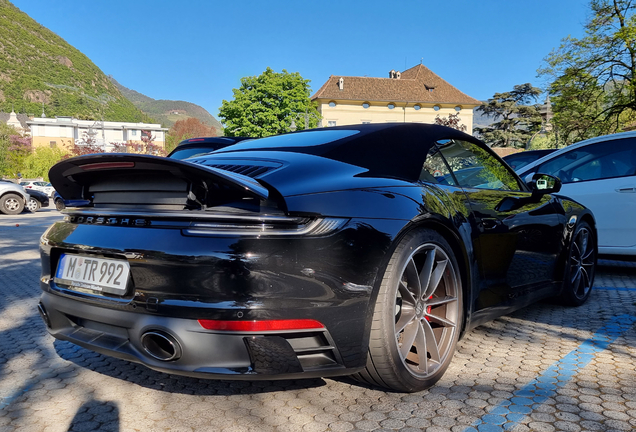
(544, 368)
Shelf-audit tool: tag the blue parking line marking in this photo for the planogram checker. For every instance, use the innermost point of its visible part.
(8, 400)
(509, 413)
(614, 288)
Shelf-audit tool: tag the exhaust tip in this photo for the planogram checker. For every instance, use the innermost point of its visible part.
(44, 315)
(160, 346)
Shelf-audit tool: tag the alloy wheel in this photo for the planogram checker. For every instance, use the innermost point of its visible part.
(582, 262)
(426, 310)
(32, 205)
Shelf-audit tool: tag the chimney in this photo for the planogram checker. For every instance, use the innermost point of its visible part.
(398, 75)
(392, 73)
(341, 83)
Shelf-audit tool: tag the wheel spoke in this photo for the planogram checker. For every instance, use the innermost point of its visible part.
(421, 345)
(407, 314)
(427, 270)
(413, 280)
(407, 295)
(436, 277)
(443, 321)
(408, 337)
(431, 342)
(584, 283)
(441, 301)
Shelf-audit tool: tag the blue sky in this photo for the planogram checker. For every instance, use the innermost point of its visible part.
(198, 50)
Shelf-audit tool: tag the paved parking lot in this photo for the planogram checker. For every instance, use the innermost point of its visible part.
(544, 368)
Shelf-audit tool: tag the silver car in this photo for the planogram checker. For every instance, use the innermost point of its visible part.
(13, 198)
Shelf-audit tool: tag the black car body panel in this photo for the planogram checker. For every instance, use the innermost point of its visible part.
(296, 227)
(40, 196)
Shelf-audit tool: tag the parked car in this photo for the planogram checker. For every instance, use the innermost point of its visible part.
(13, 197)
(198, 146)
(36, 201)
(338, 252)
(600, 173)
(41, 186)
(61, 203)
(523, 158)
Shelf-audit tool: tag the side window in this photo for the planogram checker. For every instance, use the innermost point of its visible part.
(474, 167)
(435, 169)
(594, 162)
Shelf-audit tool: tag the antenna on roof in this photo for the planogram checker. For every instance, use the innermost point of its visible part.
(422, 60)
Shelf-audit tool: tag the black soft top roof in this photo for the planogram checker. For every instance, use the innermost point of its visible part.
(387, 150)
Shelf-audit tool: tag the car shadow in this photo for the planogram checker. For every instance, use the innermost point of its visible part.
(151, 379)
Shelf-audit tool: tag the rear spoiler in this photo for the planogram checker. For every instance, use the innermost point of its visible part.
(131, 179)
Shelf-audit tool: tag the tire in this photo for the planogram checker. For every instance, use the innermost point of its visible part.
(580, 266)
(33, 205)
(59, 205)
(11, 204)
(417, 317)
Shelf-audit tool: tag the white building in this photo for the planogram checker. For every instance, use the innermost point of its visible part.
(66, 131)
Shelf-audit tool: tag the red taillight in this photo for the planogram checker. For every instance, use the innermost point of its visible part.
(256, 326)
(195, 140)
(107, 165)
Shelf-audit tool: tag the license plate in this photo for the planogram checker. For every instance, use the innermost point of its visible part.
(97, 274)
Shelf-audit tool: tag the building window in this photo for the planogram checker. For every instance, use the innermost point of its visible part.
(366, 121)
(365, 105)
(417, 107)
(332, 104)
(436, 107)
(458, 108)
(331, 123)
(391, 105)
(133, 132)
(52, 144)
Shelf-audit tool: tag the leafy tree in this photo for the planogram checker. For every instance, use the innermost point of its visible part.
(593, 85)
(18, 151)
(6, 131)
(38, 163)
(452, 121)
(187, 128)
(267, 104)
(516, 120)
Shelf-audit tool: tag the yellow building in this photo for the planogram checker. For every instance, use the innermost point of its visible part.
(416, 95)
(66, 131)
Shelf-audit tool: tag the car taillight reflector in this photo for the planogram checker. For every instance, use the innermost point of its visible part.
(256, 326)
(107, 165)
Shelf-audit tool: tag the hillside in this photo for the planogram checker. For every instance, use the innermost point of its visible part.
(39, 69)
(167, 112)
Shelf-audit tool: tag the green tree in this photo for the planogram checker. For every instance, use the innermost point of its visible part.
(265, 105)
(38, 163)
(516, 120)
(592, 78)
(6, 132)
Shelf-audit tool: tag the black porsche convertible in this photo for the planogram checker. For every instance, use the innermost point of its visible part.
(363, 250)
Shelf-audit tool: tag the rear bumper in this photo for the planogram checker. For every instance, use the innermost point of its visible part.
(200, 353)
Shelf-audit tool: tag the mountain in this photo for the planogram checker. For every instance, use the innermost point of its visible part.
(167, 112)
(40, 71)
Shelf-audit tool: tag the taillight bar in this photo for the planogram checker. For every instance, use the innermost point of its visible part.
(107, 165)
(259, 326)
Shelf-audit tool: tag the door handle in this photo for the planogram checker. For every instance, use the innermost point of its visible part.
(626, 190)
(490, 223)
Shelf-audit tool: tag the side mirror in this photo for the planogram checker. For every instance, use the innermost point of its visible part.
(544, 184)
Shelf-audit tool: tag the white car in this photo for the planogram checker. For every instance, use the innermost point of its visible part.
(41, 186)
(600, 173)
(13, 198)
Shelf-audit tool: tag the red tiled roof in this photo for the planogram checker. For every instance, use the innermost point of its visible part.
(417, 84)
